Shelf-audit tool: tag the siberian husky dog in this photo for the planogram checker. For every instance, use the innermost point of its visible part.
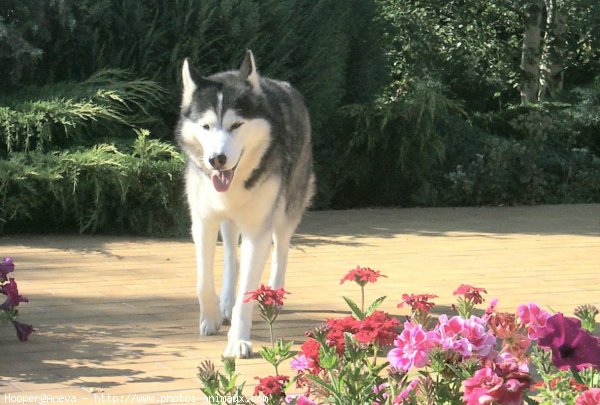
(249, 173)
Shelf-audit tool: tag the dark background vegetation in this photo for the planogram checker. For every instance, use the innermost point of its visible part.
(413, 102)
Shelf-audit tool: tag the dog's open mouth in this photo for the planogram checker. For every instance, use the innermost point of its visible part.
(222, 179)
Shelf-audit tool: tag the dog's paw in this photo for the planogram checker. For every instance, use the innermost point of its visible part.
(226, 306)
(210, 322)
(240, 349)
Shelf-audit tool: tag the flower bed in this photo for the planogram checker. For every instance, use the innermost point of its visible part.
(493, 357)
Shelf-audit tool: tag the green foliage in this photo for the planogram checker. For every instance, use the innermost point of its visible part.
(219, 386)
(55, 116)
(101, 189)
(412, 102)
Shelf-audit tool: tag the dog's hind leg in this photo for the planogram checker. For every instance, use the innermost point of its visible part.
(205, 234)
(230, 236)
(281, 246)
(284, 227)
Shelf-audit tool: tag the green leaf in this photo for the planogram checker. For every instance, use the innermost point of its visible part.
(328, 358)
(374, 305)
(355, 310)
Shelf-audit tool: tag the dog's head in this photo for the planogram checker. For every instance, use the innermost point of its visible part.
(223, 120)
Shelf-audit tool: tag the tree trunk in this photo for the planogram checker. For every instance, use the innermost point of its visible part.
(530, 55)
(551, 63)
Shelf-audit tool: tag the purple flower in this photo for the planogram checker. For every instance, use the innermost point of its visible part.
(12, 292)
(23, 330)
(570, 344)
(6, 266)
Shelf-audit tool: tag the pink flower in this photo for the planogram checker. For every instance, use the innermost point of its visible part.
(404, 394)
(534, 318)
(483, 388)
(362, 276)
(383, 390)
(301, 363)
(412, 348)
(589, 397)
(299, 400)
(482, 342)
(447, 334)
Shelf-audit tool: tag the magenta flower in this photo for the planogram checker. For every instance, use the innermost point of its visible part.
(6, 266)
(12, 293)
(589, 397)
(534, 318)
(412, 348)
(570, 344)
(299, 400)
(23, 330)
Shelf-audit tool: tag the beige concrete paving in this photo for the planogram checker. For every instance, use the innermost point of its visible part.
(118, 316)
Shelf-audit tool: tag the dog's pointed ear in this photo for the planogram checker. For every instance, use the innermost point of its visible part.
(189, 85)
(248, 71)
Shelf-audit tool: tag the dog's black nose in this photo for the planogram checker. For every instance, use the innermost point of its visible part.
(217, 161)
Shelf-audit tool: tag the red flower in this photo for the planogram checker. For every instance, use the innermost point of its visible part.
(310, 349)
(362, 276)
(570, 344)
(471, 293)
(272, 385)
(337, 328)
(418, 302)
(266, 295)
(379, 328)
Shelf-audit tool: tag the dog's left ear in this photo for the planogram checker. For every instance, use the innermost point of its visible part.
(248, 71)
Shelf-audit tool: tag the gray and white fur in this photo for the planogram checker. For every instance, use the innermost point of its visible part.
(249, 173)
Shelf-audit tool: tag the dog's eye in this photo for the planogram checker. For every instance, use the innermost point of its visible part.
(235, 125)
(206, 126)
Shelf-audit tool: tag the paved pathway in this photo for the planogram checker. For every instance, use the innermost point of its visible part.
(118, 316)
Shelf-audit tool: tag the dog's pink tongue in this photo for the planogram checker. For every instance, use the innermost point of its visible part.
(222, 179)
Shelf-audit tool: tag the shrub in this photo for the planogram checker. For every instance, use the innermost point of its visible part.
(100, 189)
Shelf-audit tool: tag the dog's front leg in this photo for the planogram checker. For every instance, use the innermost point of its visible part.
(230, 236)
(204, 232)
(254, 253)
